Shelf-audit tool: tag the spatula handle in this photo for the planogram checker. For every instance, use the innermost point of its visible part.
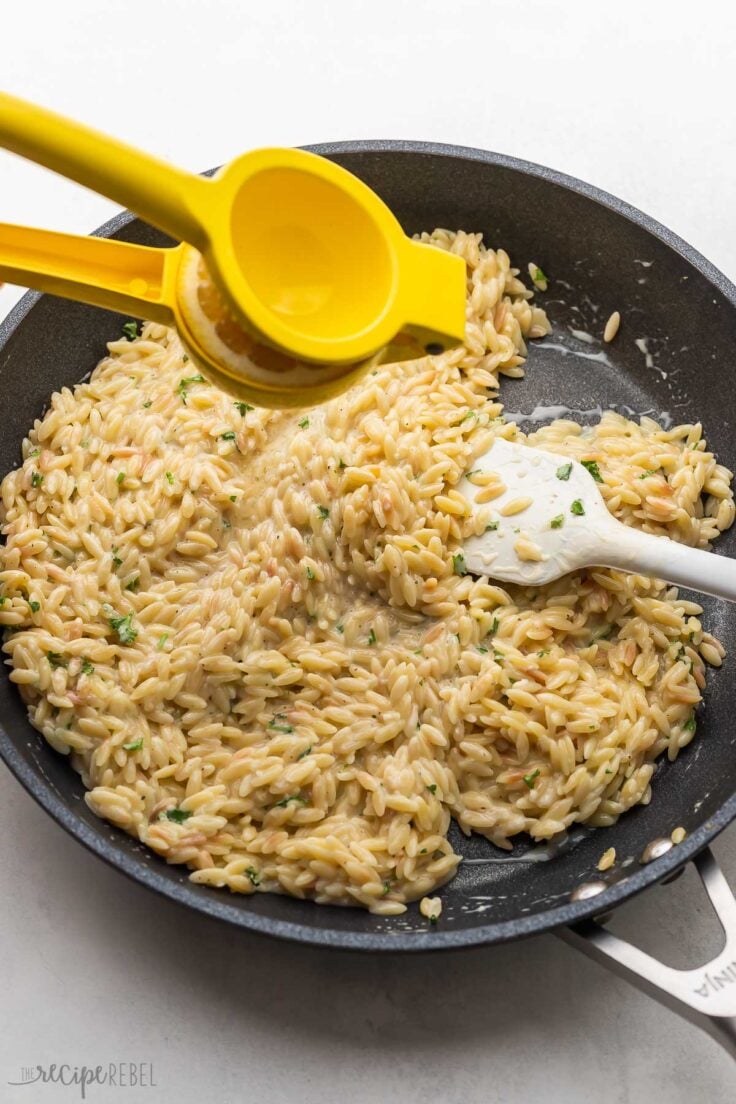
(644, 554)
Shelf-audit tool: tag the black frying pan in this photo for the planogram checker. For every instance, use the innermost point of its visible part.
(601, 255)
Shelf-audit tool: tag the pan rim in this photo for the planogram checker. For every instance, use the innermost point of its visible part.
(217, 906)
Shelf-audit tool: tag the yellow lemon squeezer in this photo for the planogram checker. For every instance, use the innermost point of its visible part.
(292, 276)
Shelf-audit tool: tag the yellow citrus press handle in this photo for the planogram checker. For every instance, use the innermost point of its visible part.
(133, 279)
(140, 281)
(162, 194)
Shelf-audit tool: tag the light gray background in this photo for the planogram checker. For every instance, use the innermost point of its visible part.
(637, 97)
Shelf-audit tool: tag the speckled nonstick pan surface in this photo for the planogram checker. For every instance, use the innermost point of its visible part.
(601, 255)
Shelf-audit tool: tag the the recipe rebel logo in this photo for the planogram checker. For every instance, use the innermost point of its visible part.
(118, 1075)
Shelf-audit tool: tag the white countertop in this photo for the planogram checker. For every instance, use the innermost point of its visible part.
(635, 97)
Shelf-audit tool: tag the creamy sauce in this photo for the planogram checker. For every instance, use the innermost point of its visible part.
(601, 357)
(537, 856)
(541, 414)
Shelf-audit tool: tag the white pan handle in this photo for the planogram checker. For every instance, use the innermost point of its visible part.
(634, 551)
(705, 996)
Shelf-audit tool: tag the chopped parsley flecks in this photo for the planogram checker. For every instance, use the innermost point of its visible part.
(494, 627)
(134, 745)
(229, 435)
(310, 573)
(116, 560)
(185, 383)
(690, 724)
(233, 498)
(386, 888)
(563, 472)
(340, 628)
(87, 667)
(57, 660)
(432, 788)
(243, 408)
(304, 423)
(466, 417)
(557, 522)
(491, 527)
(341, 464)
(304, 754)
(577, 508)
(134, 583)
(293, 797)
(34, 452)
(594, 470)
(178, 816)
(538, 277)
(147, 404)
(530, 778)
(120, 478)
(35, 606)
(323, 512)
(36, 479)
(649, 471)
(253, 875)
(458, 564)
(130, 331)
(278, 727)
(123, 626)
(482, 648)
(371, 637)
(162, 642)
(170, 477)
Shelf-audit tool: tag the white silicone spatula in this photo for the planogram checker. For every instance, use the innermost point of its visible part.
(565, 525)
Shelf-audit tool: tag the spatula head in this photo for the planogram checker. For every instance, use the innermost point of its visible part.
(546, 514)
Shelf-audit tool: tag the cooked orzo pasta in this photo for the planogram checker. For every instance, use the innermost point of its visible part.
(254, 635)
